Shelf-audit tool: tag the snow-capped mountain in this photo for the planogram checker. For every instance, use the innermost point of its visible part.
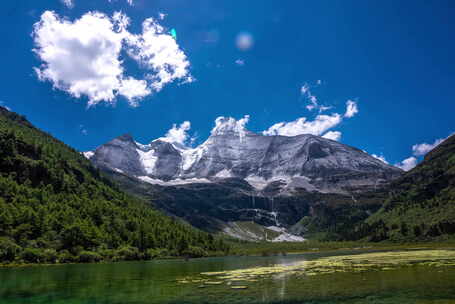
(303, 161)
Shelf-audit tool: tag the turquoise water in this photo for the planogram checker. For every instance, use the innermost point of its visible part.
(160, 282)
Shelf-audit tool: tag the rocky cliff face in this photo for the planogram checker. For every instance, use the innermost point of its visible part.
(269, 163)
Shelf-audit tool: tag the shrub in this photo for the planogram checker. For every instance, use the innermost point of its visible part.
(65, 256)
(155, 253)
(49, 255)
(89, 257)
(32, 255)
(195, 252)
(9, 250)
(128, 253)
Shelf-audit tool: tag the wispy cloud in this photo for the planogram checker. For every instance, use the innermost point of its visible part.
(314, 104)
(68, 3)
(240, 62)
(83, 130)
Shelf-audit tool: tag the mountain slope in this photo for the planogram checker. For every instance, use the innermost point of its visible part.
(421, 203)
(240, 176)
(54, 205)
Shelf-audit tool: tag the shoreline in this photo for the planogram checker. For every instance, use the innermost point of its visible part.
(372, 247)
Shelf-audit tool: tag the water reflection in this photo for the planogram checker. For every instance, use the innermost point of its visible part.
(157, 282)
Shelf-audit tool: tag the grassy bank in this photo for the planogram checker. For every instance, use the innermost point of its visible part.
(267, 248)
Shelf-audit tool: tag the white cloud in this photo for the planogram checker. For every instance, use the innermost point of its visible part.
(178, 134)
(134, 90)
(240, 62)
(68, 3)
(159, 52)
(130, 2)
(419, 150)
(351, 109)
(2, 103)
(424, 148)
(82, 57)
(318, 126)
(83, 130)
(407, 164)
(225, 125)
(380, 157)
(333, 135)
(305, 91)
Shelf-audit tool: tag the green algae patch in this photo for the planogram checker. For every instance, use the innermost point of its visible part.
(373, 261)
(239, 287)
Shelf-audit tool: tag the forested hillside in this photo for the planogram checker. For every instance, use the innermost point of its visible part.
(56, 207)
(421, 205)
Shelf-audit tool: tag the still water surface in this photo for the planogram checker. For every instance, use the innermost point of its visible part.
(161, 282)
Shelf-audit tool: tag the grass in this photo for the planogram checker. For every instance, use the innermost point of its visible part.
(268, 248)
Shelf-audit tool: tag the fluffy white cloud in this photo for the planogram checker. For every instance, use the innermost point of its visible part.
(83, 57)
(424, 148)
(68, 3)
(318, 126)
(407, 164)
(419, 150)
(178, 134)
(229, 124)
(351, 109)
(380, 157)
(333, 135)
(159, 52)
(225, 125)
(134, 90)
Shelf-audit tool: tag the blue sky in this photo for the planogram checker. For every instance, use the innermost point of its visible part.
(393, 59)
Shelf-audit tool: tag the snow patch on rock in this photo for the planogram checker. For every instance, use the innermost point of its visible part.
(88, 154)
(148, 160)
(173, 182)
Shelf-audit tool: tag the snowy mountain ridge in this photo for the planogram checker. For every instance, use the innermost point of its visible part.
(303, 161)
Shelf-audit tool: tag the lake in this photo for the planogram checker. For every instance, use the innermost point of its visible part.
(426, 276)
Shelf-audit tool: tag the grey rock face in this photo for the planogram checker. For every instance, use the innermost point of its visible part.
(304, 161)
(120, 153)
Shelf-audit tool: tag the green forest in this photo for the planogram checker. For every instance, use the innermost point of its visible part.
(421, 203)
(55, 207)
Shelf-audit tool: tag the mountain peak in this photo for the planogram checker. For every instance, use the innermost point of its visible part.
(125, 137)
